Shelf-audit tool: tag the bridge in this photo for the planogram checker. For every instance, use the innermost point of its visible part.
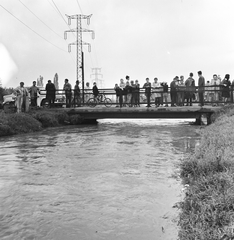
(101, 112)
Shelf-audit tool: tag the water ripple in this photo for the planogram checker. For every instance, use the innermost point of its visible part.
(108, 181)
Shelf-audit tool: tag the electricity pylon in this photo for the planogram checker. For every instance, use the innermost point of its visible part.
(96, 79)
(79, 43)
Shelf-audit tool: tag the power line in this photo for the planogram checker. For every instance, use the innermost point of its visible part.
(62, 16)
(59, 12)
(39, 19)
(94, 45)
(79, 6)
(32, 29)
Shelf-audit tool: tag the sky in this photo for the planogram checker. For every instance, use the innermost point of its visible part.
(139, 38)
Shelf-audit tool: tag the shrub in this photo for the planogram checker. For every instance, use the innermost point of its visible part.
(46, 118)
(75, 119)
(17, 123)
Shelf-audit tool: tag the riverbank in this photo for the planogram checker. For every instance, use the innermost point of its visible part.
(207, 211)
(34, 120)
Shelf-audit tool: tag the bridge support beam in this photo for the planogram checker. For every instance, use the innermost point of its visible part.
(198, 120)
(208, 116)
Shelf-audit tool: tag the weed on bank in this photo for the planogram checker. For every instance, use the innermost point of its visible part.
(207, 212)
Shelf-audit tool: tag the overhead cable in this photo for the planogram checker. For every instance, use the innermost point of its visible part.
(32, 29)
(40, 19)
(61, 15)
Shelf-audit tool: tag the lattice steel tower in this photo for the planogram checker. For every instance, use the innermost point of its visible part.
(96, 79)
(79, 43)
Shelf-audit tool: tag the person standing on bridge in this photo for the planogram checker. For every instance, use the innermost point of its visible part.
(68, 92)
(50, 93)
(173, 93)
(124, 94)
(225, 88)
(165, 93)
(180, 91)
(134, 93)
(156, 92)
(119, 97)
(86, 92)
(128, 91)
(137, 93)
(77, 98)
(147, 87)
(95, 90)
(190, 89)
(201, 86)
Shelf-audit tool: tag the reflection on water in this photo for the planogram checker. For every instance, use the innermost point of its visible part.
(108, 181)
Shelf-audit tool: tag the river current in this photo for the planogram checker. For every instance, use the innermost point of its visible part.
(114, 180)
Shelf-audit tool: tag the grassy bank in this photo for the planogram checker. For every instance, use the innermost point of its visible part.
(207, 212)
(16, 123)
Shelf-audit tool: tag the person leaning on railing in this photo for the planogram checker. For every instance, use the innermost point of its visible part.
(137, 93)
(215, 83)
(180, 91)
(128, 91)
(117, 91)
(86, 92)
(124, 94)
(165, 93)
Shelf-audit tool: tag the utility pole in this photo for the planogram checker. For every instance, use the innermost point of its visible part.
(79, 43)
(96, 79)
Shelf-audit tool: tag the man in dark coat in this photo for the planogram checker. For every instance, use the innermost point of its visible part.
(201, 85)
(77, 97)
(95, 90)
(50, 93)
(147, 87)
(173, 90)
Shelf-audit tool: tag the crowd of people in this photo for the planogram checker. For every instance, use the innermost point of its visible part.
(128, 93)
(180, 92)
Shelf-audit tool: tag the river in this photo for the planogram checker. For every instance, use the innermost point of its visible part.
(114, 180)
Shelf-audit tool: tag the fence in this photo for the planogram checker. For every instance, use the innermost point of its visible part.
(212, 95)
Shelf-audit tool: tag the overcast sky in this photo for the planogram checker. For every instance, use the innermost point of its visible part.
(139, 38)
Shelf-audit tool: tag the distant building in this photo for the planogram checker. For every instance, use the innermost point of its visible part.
(56, 83)
(40, 81)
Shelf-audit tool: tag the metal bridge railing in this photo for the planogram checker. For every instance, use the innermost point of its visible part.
(212, 95)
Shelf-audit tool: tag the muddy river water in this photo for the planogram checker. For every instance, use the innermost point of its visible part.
(114, 180)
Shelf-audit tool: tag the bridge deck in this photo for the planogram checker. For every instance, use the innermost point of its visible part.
(100, 112)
